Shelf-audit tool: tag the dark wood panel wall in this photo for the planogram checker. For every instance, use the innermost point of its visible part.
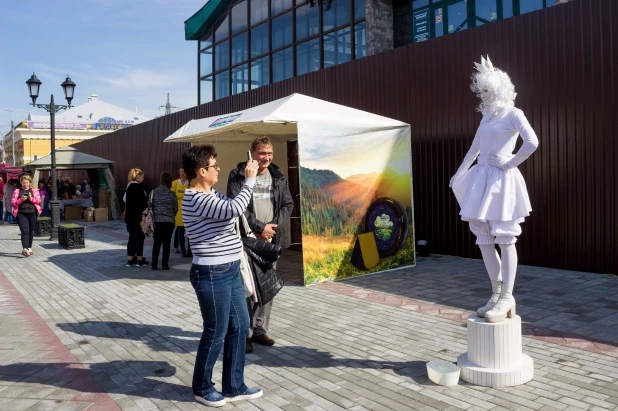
(563, 61)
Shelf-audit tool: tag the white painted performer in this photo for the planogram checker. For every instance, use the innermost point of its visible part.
(492, 194)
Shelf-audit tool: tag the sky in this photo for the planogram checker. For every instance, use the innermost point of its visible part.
(131, 53)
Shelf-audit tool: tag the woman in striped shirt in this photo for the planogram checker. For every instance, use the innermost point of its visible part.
(209, 219)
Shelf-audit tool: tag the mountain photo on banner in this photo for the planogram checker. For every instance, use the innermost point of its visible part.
(335, 198)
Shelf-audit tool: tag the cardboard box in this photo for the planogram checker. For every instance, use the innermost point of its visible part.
(89, 214)
(72, 212)
(100, 214)
(104, 197)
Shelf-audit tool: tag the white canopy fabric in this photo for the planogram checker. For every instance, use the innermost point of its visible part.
(285, 119)
(69, 158)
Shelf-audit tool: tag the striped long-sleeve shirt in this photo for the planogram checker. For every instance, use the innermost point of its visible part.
(210, 220)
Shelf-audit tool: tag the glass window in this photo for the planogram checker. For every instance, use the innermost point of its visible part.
(337, 47)
(206, 62)
(307, 21)
(337, 15)
(259, 11)
(222, 84)
(282, 30)
(222, 57)
(359, 9)
(240, 48)
(222, 30)
(259, 40)
(282, 65)
(278, 6)
(417, 4)
(206, 90)
(259, 72)
(240, 79)
(458, 16)
(239, 17)
(526, 6)
(486, 11)
(507, 8)
(360, 35)
(308, 57)
(206, 42)
(438, 22)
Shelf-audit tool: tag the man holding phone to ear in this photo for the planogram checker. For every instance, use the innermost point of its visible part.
(270, 207)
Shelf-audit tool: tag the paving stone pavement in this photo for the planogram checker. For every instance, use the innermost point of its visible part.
(135, 332)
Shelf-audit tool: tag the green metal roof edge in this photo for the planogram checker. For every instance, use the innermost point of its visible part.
(198, 25)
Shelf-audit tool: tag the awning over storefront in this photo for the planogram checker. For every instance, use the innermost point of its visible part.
(198, 25)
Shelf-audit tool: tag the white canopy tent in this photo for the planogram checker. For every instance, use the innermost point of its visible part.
(69, 158)
(340, 140)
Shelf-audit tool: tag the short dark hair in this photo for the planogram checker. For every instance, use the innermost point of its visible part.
(261, 141)
(166, 179)
(197, 157)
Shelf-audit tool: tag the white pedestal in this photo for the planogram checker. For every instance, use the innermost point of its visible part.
(494, 357)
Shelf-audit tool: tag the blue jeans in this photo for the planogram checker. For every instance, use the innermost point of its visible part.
(222, 301)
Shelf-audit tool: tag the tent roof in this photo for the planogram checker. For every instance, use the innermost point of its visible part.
(279, 119)
(93, 111)
(69, 158)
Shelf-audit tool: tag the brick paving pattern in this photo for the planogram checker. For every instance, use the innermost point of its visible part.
(358, 344)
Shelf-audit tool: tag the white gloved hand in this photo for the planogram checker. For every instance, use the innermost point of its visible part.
(500, 162)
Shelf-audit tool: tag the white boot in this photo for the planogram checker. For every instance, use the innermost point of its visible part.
(504, 307)
(496, 287)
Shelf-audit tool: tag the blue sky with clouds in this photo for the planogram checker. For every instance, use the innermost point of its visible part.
(130, 53)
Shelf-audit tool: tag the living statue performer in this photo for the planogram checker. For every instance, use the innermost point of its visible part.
(492, 194)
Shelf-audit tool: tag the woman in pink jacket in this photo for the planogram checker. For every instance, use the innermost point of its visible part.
(26, 207)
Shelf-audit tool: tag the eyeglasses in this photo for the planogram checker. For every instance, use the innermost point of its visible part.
(214, 165)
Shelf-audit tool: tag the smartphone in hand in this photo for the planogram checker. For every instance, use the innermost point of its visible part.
(249, 155)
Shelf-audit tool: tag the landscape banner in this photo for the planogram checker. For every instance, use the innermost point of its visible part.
(356, 186)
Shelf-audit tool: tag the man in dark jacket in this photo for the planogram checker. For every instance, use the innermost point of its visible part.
(268, 211)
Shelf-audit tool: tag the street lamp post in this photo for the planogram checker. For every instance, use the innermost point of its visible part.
(68, 86)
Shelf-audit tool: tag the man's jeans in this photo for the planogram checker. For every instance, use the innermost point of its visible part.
(221, 296)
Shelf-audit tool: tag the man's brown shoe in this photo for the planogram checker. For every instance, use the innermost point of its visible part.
(263, 340)
(248, 346)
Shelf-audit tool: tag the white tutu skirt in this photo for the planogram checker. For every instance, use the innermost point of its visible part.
(488, 193)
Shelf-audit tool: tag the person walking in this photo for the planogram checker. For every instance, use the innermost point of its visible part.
(270, 208)
(136, 203)
(2, 198)
(210, 219)
(25, 202)
(45, 197)
(8, 190)
(164, 209)
(178, 187)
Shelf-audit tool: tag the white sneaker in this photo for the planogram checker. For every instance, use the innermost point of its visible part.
(30, 251)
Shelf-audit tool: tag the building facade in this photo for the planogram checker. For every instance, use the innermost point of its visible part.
(246, 44)
(31, 139)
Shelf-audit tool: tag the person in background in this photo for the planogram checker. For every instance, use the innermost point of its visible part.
(136, 203)
(178, 187)
(46, 196)
(25, 202)
(164, 210)
(70, 187)
(2, 197)
(9, 188)
(86, 188)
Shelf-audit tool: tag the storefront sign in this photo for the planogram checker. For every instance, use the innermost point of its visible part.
(221, 121)
(108, 126)
(73, 126)
(110, 120)
(420, 25)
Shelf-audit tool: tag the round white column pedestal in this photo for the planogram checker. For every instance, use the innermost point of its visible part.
(494, 357)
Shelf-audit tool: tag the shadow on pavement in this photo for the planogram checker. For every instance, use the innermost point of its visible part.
(175, 338)
(127, 377)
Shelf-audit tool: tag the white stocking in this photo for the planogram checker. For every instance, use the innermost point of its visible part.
(509, 263)
(492, 261)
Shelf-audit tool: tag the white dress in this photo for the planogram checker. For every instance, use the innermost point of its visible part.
(488, 193)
